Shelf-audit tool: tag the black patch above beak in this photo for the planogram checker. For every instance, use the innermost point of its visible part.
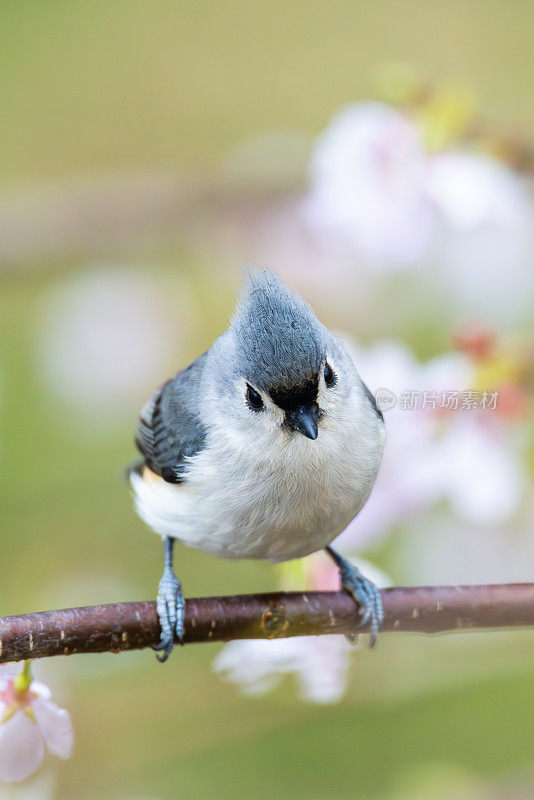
(304, 419)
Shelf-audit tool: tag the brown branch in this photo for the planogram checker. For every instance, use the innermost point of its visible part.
(130, 626)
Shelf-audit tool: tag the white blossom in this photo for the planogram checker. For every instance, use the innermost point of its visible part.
(319, 663)
(473, 190)
(107, 337)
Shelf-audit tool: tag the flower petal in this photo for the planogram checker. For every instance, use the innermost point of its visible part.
(21, 748)
(41, 689)
(55, 725)
(10, 669)
(322, 668)
(368, 186)
(319, 664)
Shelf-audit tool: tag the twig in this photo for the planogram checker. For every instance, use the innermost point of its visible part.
(130, 626)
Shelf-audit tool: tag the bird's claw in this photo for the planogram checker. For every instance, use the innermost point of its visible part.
(171, 612)
(367, 595)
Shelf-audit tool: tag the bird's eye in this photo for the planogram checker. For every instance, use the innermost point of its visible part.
(330, 377)
(254, 400)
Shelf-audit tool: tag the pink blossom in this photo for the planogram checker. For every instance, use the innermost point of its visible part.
(30, 723)
(380, 198)
(367, 193)
(467, 459)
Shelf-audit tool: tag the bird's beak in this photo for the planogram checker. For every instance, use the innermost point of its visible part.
(304, 419)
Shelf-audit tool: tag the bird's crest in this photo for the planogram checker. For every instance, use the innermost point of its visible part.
(280, 341)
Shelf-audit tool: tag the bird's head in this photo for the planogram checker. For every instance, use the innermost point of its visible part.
(278, 369)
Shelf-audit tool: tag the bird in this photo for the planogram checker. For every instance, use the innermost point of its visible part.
(265, 447)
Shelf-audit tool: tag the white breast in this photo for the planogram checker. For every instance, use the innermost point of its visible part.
(276, 498)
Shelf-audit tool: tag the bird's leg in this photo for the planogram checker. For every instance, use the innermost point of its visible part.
(363, 591)
(170, 605)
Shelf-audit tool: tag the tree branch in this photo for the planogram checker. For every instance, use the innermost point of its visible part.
(131, 626)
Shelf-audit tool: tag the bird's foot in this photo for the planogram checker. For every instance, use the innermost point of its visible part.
(171, 612)
(367, 595)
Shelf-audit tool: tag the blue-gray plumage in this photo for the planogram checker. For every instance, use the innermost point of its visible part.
(278, 339)
(169, 430)
(265, 447)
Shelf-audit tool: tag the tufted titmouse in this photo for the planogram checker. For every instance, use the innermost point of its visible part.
(264, 447)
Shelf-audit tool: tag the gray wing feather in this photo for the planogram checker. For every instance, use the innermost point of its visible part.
(168, 430)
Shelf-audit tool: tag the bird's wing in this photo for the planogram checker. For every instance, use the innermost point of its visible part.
(168, 430)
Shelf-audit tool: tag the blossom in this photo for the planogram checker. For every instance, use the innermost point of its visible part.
(473, 190)
(397, 494)
(320, 664)
(381, 196)
(30, 722)
(367, 175)
(467, 459)
(107, 336)
(475, 468)
(485, 238)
